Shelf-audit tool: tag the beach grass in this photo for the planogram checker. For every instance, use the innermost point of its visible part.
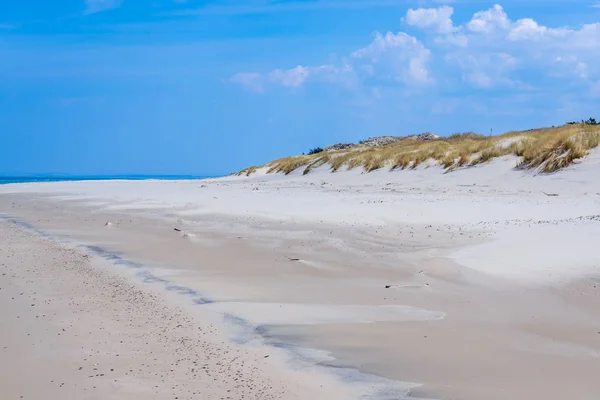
(545, 150)
(248, 171)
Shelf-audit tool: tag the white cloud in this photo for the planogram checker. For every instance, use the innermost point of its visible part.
(487, 51)
(485, 70)
(494, 24)
(527, 29)
(292, 77)
(250, 80)
(400, 57)
(381, 44)
(96, 6)
(489, 21)
(490, 48)
(439, 19)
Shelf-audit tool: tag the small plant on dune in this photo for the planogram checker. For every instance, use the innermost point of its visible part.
(560, 152)
(317, 163)
(248, 171)
(354, 162)
(288, 164)
(448, 161)
(373, 162)
(589, 121)
(491, 153)
(463, 160)
(251, 170)
(339, 160)
(466, 135)
(420, 158)
(316, 150)
(402, 161)
(518, 148)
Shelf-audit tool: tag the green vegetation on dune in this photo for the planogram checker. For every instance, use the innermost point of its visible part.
(546, 150)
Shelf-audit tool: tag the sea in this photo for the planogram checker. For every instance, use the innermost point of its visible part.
(65, 178)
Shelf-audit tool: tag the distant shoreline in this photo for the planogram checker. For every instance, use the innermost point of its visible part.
(73, 178)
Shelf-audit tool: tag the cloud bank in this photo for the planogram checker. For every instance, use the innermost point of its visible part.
(489, 51)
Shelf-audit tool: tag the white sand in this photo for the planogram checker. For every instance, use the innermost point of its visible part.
(493, 197)
(71, 329)
(492, 274)
(544, 254)
(311, 314)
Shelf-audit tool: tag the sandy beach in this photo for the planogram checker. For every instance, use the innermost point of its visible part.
(73, 329)
(482, 283)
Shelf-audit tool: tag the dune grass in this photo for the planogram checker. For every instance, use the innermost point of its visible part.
(289, 164)
(546, 150)
(248, 171)
(551, 154)
(324, 158)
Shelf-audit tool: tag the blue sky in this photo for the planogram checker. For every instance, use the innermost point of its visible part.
(210, 87)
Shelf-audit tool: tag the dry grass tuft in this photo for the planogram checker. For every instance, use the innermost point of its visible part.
(339, 160)
(490, 153)
(547, 149)
(248, 171)
(556, 153)
(323, 159)
(288, 164)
